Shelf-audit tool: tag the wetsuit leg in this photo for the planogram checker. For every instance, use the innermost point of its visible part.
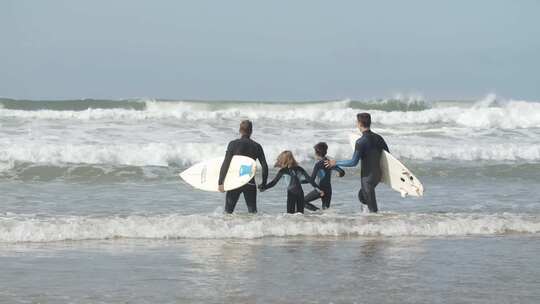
(366, 195)
(310, 197)
(300, 203)
(291, 202)
(327, 198)
(231, 198)
(250, 195)
(361, 196)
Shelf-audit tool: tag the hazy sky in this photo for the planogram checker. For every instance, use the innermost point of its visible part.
(272, 50)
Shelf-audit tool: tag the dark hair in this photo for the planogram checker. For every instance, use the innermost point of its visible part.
(246, 127)
(321, 149)
(364, 119)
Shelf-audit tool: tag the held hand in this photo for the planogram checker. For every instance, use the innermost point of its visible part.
(330, 163)
(321, 193)
(221, 188)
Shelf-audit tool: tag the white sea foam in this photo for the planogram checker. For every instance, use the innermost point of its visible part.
(25, 229)
(161, 154)
(483, 114)
(167, 136)
(470, 152)
(151, 154)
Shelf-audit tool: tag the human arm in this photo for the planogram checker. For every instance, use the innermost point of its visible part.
(225, 166)
(384, 145)
(344, 163)
(274, 181)
(357, 154)
(314, 173)
(340, 171)
(307, 179)
(264, 165)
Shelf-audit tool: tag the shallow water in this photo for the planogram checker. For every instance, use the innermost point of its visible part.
(92, 209)
(275, 270)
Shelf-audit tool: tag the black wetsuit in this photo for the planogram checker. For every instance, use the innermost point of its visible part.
(368, 148)
(295, 193)
(247, 147)
(324, 175)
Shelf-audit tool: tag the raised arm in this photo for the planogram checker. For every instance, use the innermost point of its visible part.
(307, 178)
(225, 165)
(355, 158)
(264, 165)
(350, 162)
(275, 180)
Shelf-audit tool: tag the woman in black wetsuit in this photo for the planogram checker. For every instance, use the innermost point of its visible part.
(297, 176)
(323, 175)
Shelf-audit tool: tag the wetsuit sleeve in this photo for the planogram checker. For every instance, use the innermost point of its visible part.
(355, 158)
(275, 180)
(384, 146)
(226, 163)
(262, 159)
(313, 177)
(339, 170)
(307, 178)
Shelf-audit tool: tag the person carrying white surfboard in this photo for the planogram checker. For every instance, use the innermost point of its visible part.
(247, 147)
(368, 148)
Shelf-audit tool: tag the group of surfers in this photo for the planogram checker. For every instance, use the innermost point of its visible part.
(367, 151)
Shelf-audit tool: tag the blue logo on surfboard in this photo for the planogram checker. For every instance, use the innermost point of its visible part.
(245, 170)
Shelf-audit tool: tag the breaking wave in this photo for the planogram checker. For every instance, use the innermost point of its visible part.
(181, 155)
(51, 229)
(399, 103)
(486, 113)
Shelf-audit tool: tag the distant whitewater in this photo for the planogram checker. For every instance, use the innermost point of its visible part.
(165, 133)
(485, 113)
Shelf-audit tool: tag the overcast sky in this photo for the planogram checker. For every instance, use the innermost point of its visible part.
(271, 50)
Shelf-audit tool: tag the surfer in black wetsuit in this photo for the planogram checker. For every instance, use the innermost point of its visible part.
(247, 147)
(368, 148)
(296, 176)
(324, 176)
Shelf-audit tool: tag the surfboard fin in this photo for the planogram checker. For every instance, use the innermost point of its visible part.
(403, 193)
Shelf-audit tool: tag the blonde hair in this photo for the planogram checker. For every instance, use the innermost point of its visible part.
(285, 159)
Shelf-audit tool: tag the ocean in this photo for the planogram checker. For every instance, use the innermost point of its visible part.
(93, 211)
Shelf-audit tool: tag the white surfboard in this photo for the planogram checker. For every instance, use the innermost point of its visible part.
(395, 174)
(205, 175)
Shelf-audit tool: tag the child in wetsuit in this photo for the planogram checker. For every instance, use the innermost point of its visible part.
(296, 176)
(323, 175)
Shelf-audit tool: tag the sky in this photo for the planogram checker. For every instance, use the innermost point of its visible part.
(269, 50)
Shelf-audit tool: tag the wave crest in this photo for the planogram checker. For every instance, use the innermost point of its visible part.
(182, 155)
(17, 229)
(486, 113)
